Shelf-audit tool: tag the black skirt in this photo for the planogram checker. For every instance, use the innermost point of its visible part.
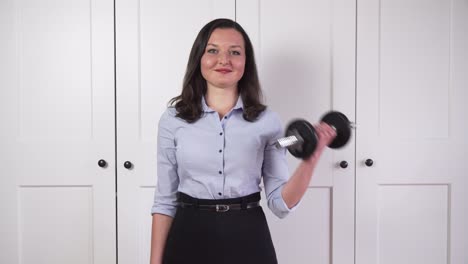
(232, 237)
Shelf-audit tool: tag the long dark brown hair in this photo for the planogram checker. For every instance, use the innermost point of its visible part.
(188, 104)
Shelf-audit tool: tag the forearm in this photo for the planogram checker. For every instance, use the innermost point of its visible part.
(160, 229)
(298, 183)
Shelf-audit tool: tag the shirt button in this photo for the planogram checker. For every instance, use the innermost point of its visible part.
(225, 117)
(221, 133)
(220, 172)
(220, 151)
(220, 194)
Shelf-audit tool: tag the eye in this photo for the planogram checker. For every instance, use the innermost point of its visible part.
(213, 51)
(235, 52)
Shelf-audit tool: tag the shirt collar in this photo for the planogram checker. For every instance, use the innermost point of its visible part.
(239, 103)
(206, 108)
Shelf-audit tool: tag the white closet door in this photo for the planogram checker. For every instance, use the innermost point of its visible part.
(412, 122)
(305, 55)
(153, 39)
(57, 113)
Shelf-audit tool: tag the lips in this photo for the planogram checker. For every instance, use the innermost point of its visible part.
(223, 70)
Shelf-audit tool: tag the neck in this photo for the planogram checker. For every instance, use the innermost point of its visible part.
(221, 100)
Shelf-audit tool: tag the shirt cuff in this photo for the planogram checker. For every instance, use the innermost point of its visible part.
(169, 211)
(286, 208)
(278, 205)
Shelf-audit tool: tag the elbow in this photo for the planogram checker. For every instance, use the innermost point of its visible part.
(279, 208)
(281, 215)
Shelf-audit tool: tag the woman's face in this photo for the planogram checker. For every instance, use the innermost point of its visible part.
(222, 64)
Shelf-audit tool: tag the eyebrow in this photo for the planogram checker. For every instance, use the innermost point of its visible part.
(232, 46)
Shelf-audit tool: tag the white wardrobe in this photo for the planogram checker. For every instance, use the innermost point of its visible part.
(83, 83)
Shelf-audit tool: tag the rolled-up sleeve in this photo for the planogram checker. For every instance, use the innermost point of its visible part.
(165, 196)
(275, 171)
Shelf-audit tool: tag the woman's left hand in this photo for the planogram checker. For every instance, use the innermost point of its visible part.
(325, 134)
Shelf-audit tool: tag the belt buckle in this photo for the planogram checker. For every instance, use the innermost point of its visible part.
(222, 208)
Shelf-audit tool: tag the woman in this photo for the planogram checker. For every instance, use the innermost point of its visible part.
(214, 145)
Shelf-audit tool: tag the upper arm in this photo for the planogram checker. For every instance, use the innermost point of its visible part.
(165, 198)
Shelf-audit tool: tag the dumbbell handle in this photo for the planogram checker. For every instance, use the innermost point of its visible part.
(292, 140)
(288, 141)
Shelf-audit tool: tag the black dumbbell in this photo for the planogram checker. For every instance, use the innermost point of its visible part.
(301, 138)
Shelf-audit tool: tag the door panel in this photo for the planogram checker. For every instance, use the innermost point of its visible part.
(57, 114)
(305, 55)
(411, 78)
(304, 237)
(154, 39)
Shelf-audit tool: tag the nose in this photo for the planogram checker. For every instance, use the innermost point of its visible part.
(223, 58)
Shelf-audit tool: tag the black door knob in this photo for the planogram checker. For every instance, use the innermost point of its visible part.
(128, 165)
(369, 162)
(102, 163)
(344, 164)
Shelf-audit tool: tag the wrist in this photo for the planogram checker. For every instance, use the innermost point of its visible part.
(315, 156)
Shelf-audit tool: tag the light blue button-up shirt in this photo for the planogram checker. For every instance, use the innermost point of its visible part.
(219, 159)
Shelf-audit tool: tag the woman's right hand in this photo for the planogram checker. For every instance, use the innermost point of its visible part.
(160, 229)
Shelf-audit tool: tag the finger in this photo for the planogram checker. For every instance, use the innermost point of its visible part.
(325, 128)
(328, 129)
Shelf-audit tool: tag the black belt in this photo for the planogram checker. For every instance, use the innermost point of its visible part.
(220, 208)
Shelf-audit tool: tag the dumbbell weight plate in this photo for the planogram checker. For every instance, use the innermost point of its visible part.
(342, 125)
(307, 132)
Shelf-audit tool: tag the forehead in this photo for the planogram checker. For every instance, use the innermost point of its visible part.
(226, 37)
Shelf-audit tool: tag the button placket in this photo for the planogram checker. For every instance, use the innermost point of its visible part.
(220, 150)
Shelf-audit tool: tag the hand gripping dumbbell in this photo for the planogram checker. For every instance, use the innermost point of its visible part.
(301, 138)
